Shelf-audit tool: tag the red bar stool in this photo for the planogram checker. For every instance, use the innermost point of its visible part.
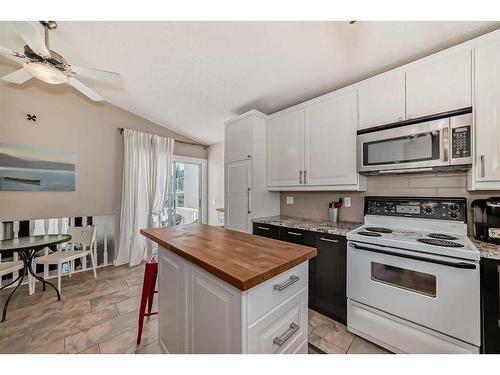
(148, 292)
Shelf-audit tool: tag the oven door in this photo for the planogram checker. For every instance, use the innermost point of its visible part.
(436, 292)
(407, 147)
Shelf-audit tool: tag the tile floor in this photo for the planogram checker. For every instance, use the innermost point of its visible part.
(100, 316)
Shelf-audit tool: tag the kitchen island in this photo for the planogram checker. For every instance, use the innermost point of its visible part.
(223, 291)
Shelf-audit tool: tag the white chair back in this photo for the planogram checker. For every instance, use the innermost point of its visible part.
(82, 235)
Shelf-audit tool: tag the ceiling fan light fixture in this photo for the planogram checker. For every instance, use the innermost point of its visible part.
(46, 73)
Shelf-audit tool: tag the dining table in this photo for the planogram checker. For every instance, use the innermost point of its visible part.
(27, 247)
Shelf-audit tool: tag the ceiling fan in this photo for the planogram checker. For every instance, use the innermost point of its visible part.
(40, 62)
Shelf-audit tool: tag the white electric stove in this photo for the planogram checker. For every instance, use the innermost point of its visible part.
(413, 276)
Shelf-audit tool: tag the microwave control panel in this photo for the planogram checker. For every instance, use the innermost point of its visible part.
(461, 142)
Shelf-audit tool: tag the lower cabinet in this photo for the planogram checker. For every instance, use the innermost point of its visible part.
(490, 299)
(327, 271)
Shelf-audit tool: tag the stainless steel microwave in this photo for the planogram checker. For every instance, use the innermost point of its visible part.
(431, 143)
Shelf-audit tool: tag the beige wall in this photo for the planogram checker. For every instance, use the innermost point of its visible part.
(65, 119)
(315, 204)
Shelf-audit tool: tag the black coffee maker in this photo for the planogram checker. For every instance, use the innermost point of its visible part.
(486, 219)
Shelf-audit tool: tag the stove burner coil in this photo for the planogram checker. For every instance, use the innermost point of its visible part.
(370, 234)
(442, 236)
(379, 229)
(439, 242)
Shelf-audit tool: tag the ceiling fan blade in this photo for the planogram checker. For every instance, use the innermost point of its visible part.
(19, 76)
(32, 37)
(98, 74)
(12, 55)
(85, 90)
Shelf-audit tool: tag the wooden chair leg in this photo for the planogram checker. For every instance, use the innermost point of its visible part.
(92, 258)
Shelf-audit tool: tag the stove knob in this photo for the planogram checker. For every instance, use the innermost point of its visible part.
(455, 207)
(453, 215)
(428, 210)
(371, 210)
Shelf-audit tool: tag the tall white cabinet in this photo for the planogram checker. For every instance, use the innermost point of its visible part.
(246, 195)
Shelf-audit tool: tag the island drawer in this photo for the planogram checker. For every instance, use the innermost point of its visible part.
(271, 293)
(266, 230)
(283, 330)
(298, 236)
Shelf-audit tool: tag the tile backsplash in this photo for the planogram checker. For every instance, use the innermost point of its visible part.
(315, 204)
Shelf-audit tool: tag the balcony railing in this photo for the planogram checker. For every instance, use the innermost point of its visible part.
(189, 215)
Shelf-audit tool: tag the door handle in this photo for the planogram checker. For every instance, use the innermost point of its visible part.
(248, 200)
(483, 173)
(305, 177)
(280, 340)
(445, 141)
(328, 240)
(292, 280)
(300, 177)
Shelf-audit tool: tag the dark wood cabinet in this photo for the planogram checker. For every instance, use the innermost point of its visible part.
(266, 230)
(490, 301)
(330, 297)
(298, 236)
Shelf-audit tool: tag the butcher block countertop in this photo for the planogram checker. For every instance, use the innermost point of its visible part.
(240, 259)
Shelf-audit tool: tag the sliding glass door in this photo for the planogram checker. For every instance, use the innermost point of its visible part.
(187, 191)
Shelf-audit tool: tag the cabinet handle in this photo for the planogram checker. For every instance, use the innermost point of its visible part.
(300, 177)
(481, 158)
(292, 280)
(328, 240)
(305, 177)
(295, 233)
(280, 340)
(263, 228)
(249, 156)
(248, 200)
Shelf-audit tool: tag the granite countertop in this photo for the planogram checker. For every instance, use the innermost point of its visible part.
(487, 250)
(323, 226)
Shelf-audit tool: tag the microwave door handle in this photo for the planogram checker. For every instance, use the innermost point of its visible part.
(445, 144)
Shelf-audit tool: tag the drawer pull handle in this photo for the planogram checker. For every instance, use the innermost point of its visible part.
(280, 340)
(293, 279)
(263, 228)
(328, 240)
(295, 233)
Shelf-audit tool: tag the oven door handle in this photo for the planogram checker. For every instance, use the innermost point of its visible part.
(464, 265)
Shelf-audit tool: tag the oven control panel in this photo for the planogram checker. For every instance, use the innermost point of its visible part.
(454, 209)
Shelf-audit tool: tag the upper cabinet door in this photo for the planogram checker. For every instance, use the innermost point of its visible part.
(239, 140)
(330, 141)
(487, 110)
(382, 100)
(238, 196)
(439, 84)
(285, 149)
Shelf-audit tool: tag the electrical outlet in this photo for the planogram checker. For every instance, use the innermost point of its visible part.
(347, 201)
(289, 199)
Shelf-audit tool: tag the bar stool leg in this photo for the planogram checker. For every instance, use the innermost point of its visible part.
(146, 287)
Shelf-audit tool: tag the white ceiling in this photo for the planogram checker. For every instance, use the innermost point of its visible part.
(192, 76)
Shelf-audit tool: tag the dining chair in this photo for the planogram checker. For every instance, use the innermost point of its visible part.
(9, 267)
(85, 237)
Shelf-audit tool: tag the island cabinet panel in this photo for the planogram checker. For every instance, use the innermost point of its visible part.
(283, 330)
(490, 298)
(215, 308)
(172, 324)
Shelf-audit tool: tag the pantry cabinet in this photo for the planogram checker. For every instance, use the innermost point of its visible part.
(285, 149)
(439, 83)
(246, 193)
(487, 119)
(314, 146)
(381, 100)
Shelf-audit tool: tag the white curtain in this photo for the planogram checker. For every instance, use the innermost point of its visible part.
(146, 192)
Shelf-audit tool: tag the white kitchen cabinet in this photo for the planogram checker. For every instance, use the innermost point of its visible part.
(246, 194)
(238, 195)
(439, 83)
(381, 100)
(239, 140)
(487, 115)
(330, 141)
(285, 149)
(201, 314)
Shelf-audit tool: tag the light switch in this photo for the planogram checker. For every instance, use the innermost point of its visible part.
(289, 199)
(347, 201)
